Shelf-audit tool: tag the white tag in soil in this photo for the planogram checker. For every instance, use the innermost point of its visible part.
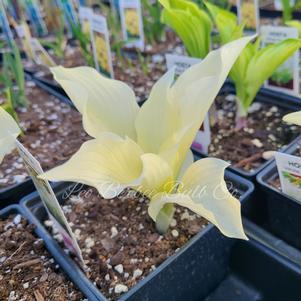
(289, 170)
(85, 15)
(131, 23)
(50, 201)
(181, 63)
(248, 13)
(101, 45)
(286, 78)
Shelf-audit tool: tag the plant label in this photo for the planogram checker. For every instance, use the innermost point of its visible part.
(85, 14)
(34, 15)
(69, 12)
(286, 78)
(131, 23)
(289, 169)
(181, 63)
(248, 13)
(101, 45)
(40, 54)
(50, 201)
(5, 24)
(24, 35)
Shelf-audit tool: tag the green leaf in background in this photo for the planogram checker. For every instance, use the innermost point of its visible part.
(296, 24)
(191, 24)
(287, 10)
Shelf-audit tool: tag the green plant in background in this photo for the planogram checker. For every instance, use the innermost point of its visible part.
(287, 10)
(192, 25)
(59, 44)
(13, 79)
(282, 76)
(296, 24)
(153, 28)
(254, 65)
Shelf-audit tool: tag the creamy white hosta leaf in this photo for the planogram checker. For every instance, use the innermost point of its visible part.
(107, 105)
(9, 131)
(204, 191)
(158, 118)
(109, 163)
(294, 118)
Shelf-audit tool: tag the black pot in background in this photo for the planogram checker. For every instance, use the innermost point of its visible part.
(14, 193)
(205, 256)
(282, 214)
(41, 233)
(268, 96)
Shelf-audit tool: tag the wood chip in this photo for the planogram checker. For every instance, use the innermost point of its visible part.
(27, 263)
(38, 296)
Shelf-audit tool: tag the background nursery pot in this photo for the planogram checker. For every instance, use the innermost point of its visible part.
(48, 243)
(264, 96)
(282, 213)
(207, 254)
(13, 193)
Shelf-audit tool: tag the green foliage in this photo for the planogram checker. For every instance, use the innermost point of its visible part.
(254, 65)
(191, 24)
(153, 28)
(296, 24)
(287, 10)
(282, 76)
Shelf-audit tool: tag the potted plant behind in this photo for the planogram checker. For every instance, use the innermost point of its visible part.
(283, 211)
(238, 136)
(129, 152)
(40, 116)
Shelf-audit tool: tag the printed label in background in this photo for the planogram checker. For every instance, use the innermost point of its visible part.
(181, 63)
(70, 15)
(289, 169)
(101, 45)
(286, 78)
(248, 13)
(131, 23)
(5, 25)
(50, 201)
(85, 14)
(34, 15)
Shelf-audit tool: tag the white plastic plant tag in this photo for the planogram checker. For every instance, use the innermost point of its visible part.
(41, 55)
(50, 201)
(181, 63)
(131, 23)
(289, 169)
(286, 78)
(248, 13)
(67, 7)
(85, 14)
(101, 45)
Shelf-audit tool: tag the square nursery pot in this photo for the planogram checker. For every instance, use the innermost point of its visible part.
(279, 99)
(282, 213)
(191, 273)
(53, 251)
(15, 192)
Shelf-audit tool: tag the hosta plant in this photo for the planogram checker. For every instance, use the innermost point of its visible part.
(148, 148)
(254, 65)
(192, 25)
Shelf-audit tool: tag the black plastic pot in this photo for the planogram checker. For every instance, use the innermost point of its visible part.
(282, 212)
(49, 244)
(14, 193)
(278, 99)
(205, 257)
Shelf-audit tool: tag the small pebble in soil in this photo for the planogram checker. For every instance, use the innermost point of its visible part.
(268, 155)
(137, 273)
(120, 288)
(114, 232)
(175, 233)
(119, 268)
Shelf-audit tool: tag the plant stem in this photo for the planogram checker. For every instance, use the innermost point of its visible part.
(164, 218)
(241, 117)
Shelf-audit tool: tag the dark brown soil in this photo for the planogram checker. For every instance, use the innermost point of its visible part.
(52, 133)
(247, 148)
(119, 241)
(27, 272)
